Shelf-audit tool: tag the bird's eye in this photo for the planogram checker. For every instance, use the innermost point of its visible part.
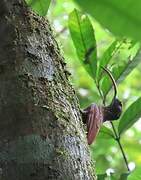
(120, 103)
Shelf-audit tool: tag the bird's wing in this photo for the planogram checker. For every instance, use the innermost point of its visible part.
(93, 121)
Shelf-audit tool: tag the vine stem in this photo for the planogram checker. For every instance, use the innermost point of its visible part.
(117, 137)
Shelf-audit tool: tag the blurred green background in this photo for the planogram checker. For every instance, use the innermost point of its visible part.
(105, 151)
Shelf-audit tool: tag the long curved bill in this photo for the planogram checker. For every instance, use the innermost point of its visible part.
(113, 81)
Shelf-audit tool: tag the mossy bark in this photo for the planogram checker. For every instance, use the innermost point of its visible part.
(41, 133)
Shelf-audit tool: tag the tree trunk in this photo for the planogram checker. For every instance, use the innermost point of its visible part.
(41, 133)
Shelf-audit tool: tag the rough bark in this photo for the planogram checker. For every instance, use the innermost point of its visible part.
(41, 134)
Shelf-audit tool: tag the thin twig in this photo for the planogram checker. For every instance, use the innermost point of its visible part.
(117, 138)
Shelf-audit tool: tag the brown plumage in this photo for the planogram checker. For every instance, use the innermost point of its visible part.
(94, 119)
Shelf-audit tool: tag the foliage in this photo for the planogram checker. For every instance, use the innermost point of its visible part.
(39, 6)
(82, 33)
(96, 47)
(125, 21)
(130, 116)
(136, 175)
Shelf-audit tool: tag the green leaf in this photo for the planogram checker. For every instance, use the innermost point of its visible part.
(101, 176)
(107, 56)
(122, 18)
(136, 174)
(105, 133)
(82, 34)
(120, 72)
(112, 176)
(39, 6)
(130, 116)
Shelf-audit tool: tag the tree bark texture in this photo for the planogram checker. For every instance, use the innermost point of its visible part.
(41, 133)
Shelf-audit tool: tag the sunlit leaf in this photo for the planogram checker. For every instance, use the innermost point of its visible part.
(39, 6)
(136, 174)
(121, 17)
(130, 116)
(120, 72)
(82, 34)
(108, 54)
